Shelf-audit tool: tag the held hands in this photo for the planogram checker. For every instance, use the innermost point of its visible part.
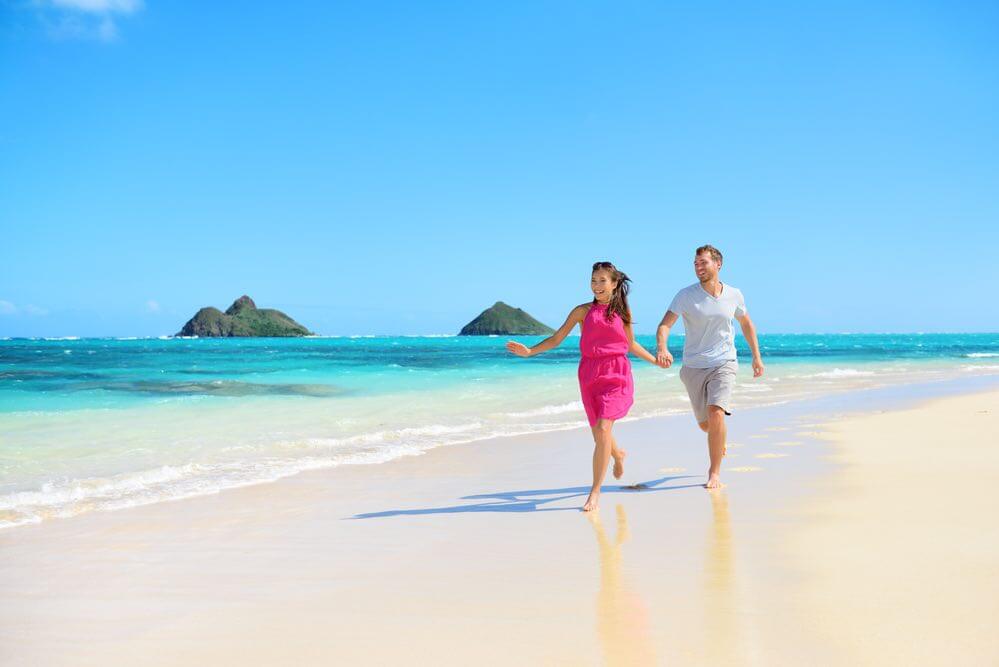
(664, 359)
(757, 367)
(519, 349)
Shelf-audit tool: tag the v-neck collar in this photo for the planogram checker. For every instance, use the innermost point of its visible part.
(701, 287)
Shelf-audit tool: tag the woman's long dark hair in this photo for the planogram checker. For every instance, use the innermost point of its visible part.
(619, 297)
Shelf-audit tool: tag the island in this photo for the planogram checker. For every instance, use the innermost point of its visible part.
(242, 319)
(501, 319)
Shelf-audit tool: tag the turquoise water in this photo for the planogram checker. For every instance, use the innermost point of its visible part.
(91, 424)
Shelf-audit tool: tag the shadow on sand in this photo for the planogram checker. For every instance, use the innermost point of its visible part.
(533, 499)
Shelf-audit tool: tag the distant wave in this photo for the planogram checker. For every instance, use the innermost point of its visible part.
(841, 373)
(379, 437)
(981, 355)
(429, 336)
(548, 410)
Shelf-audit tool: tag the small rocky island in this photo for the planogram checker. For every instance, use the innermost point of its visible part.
(243, 319)
(501, 319)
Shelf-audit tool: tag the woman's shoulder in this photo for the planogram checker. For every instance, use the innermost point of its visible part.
(580, 311)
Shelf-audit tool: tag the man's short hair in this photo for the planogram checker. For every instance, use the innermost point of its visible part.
(715, 252)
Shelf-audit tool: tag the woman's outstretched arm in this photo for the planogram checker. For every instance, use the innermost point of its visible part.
(575, 317)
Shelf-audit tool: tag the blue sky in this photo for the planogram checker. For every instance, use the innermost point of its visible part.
(397, 167)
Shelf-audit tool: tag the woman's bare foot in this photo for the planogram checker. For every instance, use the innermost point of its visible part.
(618, 455)
(714, 481)
(591, 502)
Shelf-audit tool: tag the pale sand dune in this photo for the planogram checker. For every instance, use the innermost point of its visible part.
(477, 554)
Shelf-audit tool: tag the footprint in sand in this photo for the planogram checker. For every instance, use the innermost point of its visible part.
(789, 443)
(744, 469)
(758, 436)
(770, 455)
(672, 470)
(777, 428)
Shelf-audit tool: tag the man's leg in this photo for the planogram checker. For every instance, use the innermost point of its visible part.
(716, 444)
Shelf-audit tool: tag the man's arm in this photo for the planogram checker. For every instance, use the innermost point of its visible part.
(663, 357)
(749, 331)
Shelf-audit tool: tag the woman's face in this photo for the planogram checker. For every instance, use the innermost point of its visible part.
(602, 285)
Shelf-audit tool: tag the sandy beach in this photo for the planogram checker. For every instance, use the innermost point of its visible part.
(852, 530)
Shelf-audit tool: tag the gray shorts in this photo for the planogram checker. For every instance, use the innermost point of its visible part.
(709, 386)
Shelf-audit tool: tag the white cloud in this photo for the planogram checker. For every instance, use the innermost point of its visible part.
(153, 306)
(107, 30)
(32, 309)
(100, 6)
(8, 308)
(84, 19)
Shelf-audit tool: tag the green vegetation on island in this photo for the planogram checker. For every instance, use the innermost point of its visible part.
(501, 319)
(242, 319)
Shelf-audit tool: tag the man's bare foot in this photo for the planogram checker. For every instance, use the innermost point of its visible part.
(618, 455)
(714, 481)
(591, 502)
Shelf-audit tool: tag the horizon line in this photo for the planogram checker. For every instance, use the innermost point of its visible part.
(456, 335)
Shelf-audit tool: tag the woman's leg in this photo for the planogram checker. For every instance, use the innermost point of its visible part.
(618, 455)
(603, 443)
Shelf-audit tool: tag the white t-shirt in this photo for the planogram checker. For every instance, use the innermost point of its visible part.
(709, 339)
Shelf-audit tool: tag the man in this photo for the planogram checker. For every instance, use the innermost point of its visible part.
(709, 359)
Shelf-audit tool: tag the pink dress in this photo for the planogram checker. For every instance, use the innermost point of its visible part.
(605, 380)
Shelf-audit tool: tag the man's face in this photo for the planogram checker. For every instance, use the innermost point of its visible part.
(706, 267)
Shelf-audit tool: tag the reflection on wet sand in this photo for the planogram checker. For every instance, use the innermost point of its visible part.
(723, 640)
(622, 617)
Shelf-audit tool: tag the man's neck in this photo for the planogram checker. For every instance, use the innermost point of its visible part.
(712, 287)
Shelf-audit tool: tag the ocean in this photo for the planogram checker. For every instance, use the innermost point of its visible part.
(104, 423)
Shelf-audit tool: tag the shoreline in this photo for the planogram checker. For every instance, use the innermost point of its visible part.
(310, 442)
(446, 551)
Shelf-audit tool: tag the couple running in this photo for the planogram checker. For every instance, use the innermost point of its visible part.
(709, 358)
